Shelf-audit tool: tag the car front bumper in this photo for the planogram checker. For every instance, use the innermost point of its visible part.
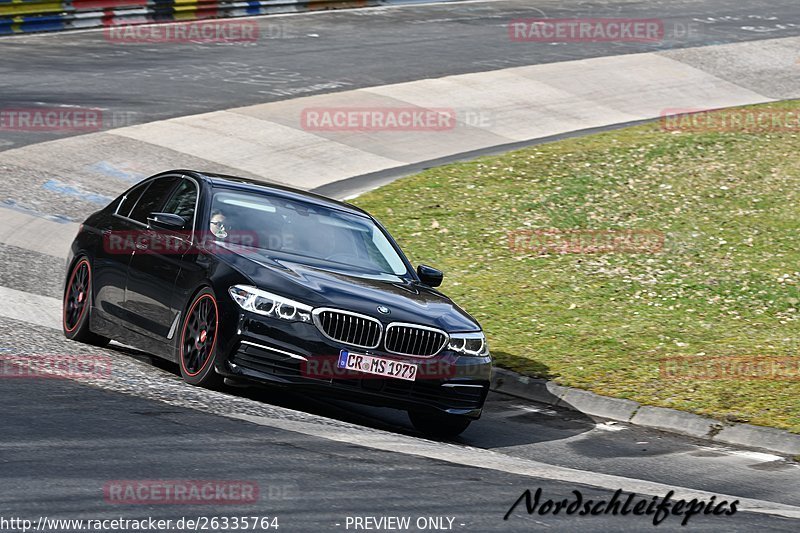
(298, 355)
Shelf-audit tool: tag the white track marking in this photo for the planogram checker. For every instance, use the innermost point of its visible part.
(610, 426)
(756, 457)
(535, 409)
(36, 233)
(518, 104)
(31, 308)
(478, 458)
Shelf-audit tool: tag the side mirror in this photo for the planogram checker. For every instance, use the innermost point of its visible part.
(430, 276)
(166, 221)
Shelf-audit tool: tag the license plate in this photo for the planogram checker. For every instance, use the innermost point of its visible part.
(377, 366)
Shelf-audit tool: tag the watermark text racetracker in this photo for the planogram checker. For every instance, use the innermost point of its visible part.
(583, 241)
(183, 492)
(359, 367)
(195, 523)
(43, 366)
(741, 120)
(702, 368)
(407, 118)
(207, 31)
(586, 30)
(602, 30)
(64, 118)
(180, 242)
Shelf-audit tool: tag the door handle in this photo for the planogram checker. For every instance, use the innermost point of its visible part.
(143, 243)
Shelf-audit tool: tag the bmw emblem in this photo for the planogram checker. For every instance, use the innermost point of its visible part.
(383, 310)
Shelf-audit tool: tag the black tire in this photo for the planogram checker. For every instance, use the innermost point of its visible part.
(77, 305)
(441, 426)
(197, 341)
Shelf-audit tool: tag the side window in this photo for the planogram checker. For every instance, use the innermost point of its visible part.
(183, 200)
(130, 199)
(153, 198)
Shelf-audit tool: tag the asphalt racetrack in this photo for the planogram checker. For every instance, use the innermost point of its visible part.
(319, 464)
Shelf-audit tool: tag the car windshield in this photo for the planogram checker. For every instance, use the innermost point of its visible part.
(303, 229)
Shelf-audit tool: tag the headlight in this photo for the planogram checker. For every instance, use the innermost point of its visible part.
(268, 304)
(473, 344)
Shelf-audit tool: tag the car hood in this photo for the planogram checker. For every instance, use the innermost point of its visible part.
(327, 286)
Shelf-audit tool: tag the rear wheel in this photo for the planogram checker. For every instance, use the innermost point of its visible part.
(77, 305)
(439, 425)
(198, 341)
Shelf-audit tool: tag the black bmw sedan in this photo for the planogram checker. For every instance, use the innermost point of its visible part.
(238, 281)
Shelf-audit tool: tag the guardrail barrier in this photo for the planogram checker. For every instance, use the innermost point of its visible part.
(28, 16)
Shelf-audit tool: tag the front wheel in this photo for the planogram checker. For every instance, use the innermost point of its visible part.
(438, 425)
(198, 341)
(77, 305)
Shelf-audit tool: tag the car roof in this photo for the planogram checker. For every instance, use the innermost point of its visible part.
(252, 185)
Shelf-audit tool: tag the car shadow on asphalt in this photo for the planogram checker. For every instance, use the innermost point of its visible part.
(507, 421)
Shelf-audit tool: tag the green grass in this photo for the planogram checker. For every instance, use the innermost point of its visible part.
(725, 284)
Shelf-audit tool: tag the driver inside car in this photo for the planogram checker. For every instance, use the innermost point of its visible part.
(217, 224)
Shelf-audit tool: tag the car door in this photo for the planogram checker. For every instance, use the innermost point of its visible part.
(156, 262)
(113, 256)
